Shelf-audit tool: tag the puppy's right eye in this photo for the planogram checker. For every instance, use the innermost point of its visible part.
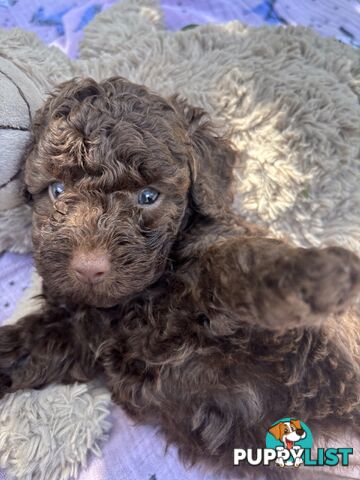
(55, 190)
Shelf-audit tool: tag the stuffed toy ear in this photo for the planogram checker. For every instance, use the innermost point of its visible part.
(212, 162)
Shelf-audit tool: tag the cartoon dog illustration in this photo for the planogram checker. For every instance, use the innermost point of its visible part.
(288, 433)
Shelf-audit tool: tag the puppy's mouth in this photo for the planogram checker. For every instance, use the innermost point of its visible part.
(105, 305)
(289, 444)
(95, 282)
(99, 303)
(97, 296)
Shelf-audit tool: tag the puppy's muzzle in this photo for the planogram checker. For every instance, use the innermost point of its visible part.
(90, 267)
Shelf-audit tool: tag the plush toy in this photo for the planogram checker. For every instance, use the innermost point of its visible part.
(28, 69)
(290, 100)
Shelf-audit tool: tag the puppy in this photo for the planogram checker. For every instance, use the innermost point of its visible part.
(199, 323)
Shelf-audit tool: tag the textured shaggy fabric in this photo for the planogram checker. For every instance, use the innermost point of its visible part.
(28, 69)
(291, 100)
(60, 22)
(16, 112)
(38, 431)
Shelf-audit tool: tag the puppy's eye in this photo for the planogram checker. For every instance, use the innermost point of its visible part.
(147, 196)
(56, 189)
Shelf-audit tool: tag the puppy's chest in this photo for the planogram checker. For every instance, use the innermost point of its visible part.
(154, 331)
(175, 352)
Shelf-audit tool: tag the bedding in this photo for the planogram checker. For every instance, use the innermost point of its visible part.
(136, 452)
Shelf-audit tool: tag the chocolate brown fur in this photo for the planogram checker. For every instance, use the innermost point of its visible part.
(203, 327)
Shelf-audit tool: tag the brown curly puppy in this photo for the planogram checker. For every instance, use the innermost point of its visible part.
(199, 323)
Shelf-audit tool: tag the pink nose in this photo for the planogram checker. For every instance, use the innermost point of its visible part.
(90, 267)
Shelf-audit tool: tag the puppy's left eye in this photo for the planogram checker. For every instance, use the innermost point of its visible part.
(148, 196)
(56, 189)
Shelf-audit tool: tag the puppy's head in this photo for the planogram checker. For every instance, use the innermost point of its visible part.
(114, 171)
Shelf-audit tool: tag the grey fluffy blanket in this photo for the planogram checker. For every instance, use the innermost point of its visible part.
(291, 101)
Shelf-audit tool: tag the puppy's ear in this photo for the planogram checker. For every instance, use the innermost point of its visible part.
(211, 164)
(276, 431)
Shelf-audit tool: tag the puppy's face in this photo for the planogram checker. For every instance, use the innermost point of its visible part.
(109, 175)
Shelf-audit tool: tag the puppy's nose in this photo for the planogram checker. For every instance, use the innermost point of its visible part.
(300, 431)
(90, 267)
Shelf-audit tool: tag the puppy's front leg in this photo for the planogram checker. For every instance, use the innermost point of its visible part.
(278, 286)
(42, 348)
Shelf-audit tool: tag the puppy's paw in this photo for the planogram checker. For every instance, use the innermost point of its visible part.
(327, 280)
(13, 355)
(5, 384)
(11, 347)
(307, 284)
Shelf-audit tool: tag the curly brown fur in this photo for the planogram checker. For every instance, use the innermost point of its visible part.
(203, 326)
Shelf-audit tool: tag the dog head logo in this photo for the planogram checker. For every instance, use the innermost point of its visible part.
(289, 437)
(288, 433)
(289, 443)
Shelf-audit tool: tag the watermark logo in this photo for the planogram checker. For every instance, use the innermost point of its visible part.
(289, 438)
(289, 443)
